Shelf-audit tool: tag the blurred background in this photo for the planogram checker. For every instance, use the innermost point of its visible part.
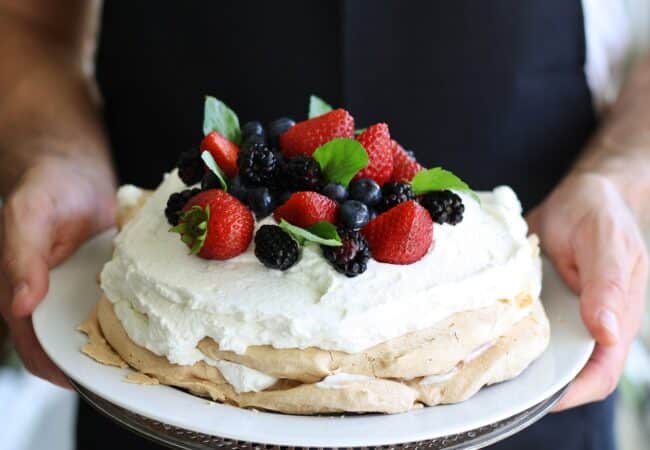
(36, 415)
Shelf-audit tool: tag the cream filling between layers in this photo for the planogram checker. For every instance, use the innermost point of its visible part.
(239, 302)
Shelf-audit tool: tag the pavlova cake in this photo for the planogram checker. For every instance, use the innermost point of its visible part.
(314, 268)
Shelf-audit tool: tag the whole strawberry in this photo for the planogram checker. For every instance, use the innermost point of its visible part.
(215, 225)
(376, 140)
(401, 235)
(306, 208)
(305, 137)
(223, 151)
(404, 165)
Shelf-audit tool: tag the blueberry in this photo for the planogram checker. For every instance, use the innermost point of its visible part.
(373, 213)
(336, 192)
(210, 181)
(366, 191)
(252, 140)
(252, 128)
(237, 189)
(260, 201)
(282, 197)
(277, 127)
(353, 215)
(410, 152)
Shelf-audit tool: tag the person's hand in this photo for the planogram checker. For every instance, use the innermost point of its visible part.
(57, 204)
(594, 241)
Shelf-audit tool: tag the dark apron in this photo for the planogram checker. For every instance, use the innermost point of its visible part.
(494, 91)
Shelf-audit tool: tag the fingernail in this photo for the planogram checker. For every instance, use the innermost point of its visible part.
(609, 321)
(20, 290)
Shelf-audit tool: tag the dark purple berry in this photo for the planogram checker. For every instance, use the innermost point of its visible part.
(444, 207)
(351, 258)
(366, 191)
(275, 248)
(353, 215)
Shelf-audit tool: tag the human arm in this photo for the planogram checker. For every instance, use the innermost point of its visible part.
(590, 228)
(56, 177)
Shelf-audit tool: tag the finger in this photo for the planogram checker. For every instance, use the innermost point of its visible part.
(597, 379)
(26, 248)
(604, 266)
(33, 356)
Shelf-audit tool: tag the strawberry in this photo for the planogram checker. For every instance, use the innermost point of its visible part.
(223, 151)
(306, 208)
(401, 235)
(404, 166)
(215, 225)
(305, 137)
(376, 140)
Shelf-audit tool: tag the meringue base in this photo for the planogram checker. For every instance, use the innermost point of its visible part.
(298, 391)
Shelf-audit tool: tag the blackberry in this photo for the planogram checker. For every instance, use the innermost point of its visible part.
(444, 207)
(190, 166)
(352, 257)
(275, 248)
(258, 165)
(176, 202)
(393, 193)
(302, 173)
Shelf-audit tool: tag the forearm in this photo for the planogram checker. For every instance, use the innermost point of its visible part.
(620, 150)
(49, 106)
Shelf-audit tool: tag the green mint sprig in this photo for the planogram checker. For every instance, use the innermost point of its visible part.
(209, 161)
(439, 179)
(323, 233)
(317, 107)
(218, 117)
(341, 159)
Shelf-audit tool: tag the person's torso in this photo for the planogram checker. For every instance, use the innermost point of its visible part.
(494, 91)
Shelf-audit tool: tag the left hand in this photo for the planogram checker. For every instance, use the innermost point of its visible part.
(593, 239)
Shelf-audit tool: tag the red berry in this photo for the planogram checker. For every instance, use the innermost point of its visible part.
(305, 137)
(376, 140)
(216, 225)
(223, 151)
(401, 235)
(404, 166)
(307, 208)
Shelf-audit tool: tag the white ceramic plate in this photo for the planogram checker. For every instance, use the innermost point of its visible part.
(73, 292)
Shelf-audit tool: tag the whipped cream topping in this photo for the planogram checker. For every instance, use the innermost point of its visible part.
(341, 380)
(242, 378)
(239, 302)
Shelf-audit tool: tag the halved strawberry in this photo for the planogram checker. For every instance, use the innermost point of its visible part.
(404, 166)
(215, 225)
(307, 208)
(401, 235)
(376, 140)
(305, 137)
(223, 151)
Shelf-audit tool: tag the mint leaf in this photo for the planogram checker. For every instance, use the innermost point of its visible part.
(439, 179)
(317, 107)
(341, 159)
(218, 117)
(209, 161)
(359, 131)
(330, 237)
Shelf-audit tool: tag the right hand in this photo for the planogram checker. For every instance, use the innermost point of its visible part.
(56, 205)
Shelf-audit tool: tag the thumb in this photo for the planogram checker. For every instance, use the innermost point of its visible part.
(27, 243)
(604, 269)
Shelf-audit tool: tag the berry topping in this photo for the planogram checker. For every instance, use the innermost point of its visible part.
(258, 165)
(252, 140)
(376, 140)
(444, 207)
(304, 209)
(335, 191)
(252, 128)
(176, 202)
(352, 256)
(404, 164)
(223, 151)
(305, 137)
(302, 173)
(190, 166)
(353, 215)
(277, 127)
(210, 181)
(401, 235)
(237, 189)
(275, 248)
(395, 192)
(215, 225)
(366, 191)
(260, 201)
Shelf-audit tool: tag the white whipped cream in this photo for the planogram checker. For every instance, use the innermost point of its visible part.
(341, 380)
(242, 378)
(239, 302)
(439, 378)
